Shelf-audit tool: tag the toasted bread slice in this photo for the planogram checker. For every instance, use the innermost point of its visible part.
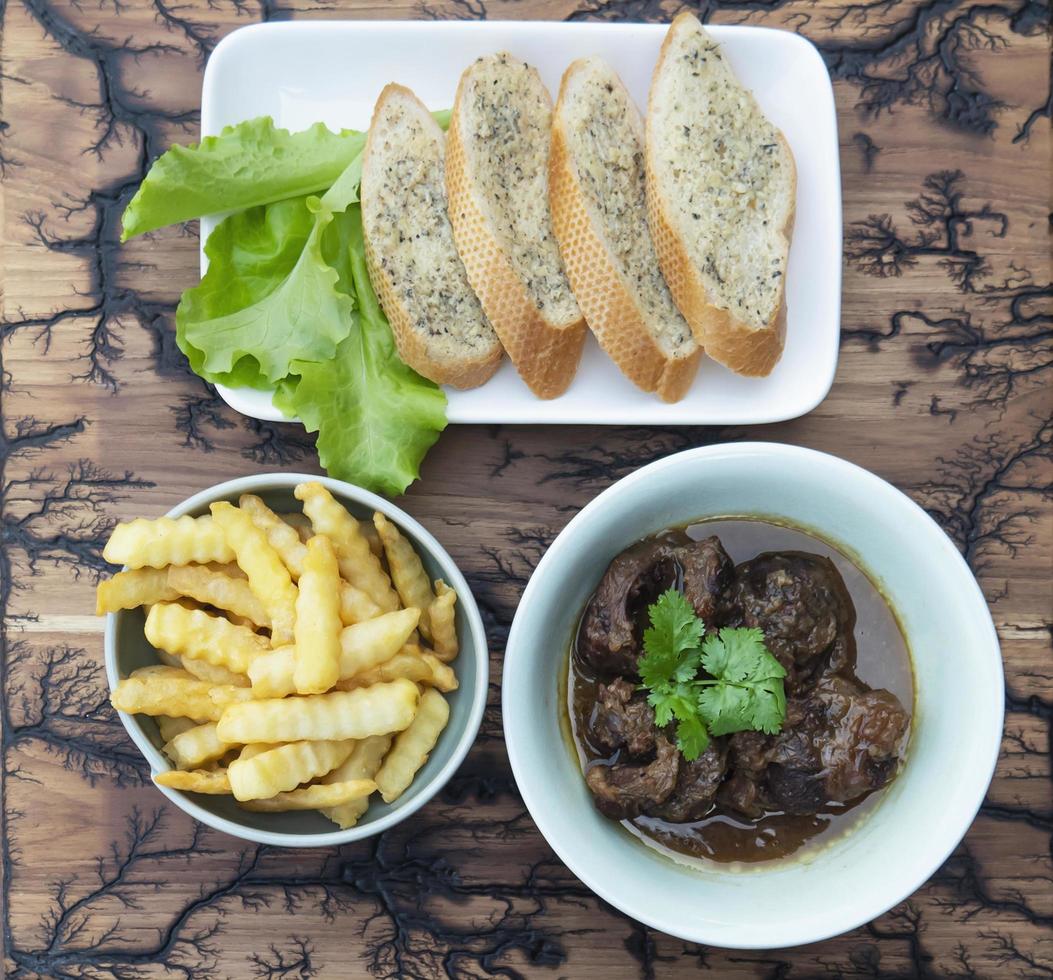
(497, 153)
(600, 217)
(440, 327)
(721, 185)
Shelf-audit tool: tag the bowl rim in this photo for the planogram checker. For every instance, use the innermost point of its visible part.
(468, 607)
(847, 916)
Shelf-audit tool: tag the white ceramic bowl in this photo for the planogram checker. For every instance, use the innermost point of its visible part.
(126, 649)
(958, 706)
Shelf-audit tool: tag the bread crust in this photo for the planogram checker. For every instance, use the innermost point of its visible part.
(731, 342)
(546, 354)
(611, 312)
(467, 372)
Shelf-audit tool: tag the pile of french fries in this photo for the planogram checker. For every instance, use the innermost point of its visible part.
(303, 656)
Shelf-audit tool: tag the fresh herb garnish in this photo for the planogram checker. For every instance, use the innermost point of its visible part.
(727, 682)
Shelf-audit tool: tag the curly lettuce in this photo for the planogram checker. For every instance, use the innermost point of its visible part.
(375, 416)
(287, 303)
(250, 164)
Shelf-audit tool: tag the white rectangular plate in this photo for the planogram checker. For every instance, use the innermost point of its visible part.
(332, 71)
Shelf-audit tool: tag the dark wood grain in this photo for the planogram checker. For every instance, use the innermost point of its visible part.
(944, 388)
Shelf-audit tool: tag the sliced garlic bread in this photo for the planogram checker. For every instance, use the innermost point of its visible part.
(600, 217)
(497, 155)
(439, 325)
(721, 186)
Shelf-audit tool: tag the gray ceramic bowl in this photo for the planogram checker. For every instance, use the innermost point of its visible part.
(126, 649)
(956, 730)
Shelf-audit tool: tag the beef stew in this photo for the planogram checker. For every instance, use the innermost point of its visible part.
(749, 796)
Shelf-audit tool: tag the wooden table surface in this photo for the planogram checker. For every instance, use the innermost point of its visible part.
(943, 388)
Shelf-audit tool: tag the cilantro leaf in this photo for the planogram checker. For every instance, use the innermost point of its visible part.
(742, 692)
(692, 738)
(747, 693)
(670, 641)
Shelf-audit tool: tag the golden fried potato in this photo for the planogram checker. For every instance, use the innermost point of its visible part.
(412, 746)
(358, 564)
(317, 797)
(197, 634)
(362, 763)
(268, 576)
(361, 646)
(283, 538)
(299, 521)
(217, 589)
(442, 618)
(169, 727)
(167, 541)
(126, 590)
(374, 710)
(284, 768)
(149, 692)
(214, 781)
(411, 662)
(355, 605)
(369, 532)
(318, 626)
(407, 571)
(196, 746)
(212, 673)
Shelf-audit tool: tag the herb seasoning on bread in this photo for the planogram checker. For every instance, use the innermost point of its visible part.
(721, 185)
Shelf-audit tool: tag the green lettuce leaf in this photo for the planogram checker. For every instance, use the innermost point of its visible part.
(375, 416)
(295, 311)
(249, 164)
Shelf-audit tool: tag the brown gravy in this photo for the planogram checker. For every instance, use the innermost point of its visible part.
(882, 661)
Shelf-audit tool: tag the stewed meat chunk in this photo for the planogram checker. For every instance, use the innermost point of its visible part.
(612, 628)
(800, 603)
(696, 786)
(708, 574)
(609, 638)
(622, 719)
(840, 742)
(624, 791)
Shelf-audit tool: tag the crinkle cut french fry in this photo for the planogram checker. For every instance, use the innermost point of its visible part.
(300, 523)
(225, 694)
(284, 768)
(411, 662)
(317, 797)
(149, 692)
(370, 643)
(374, 710)
(283, 538)
(318, 626)
(271, 675)
(170, 727)
(196, 746)
(212, 673)
(442, 617)
(217, 589)
(362, 763)
(167, 541)
(355, 605)
(412, 746)
(213, 782)
(268, 576)
(257, 748)
(407, 571)
(369, 532)
(358, 564)
(361, 646)
(126, 590)
(197, 634)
